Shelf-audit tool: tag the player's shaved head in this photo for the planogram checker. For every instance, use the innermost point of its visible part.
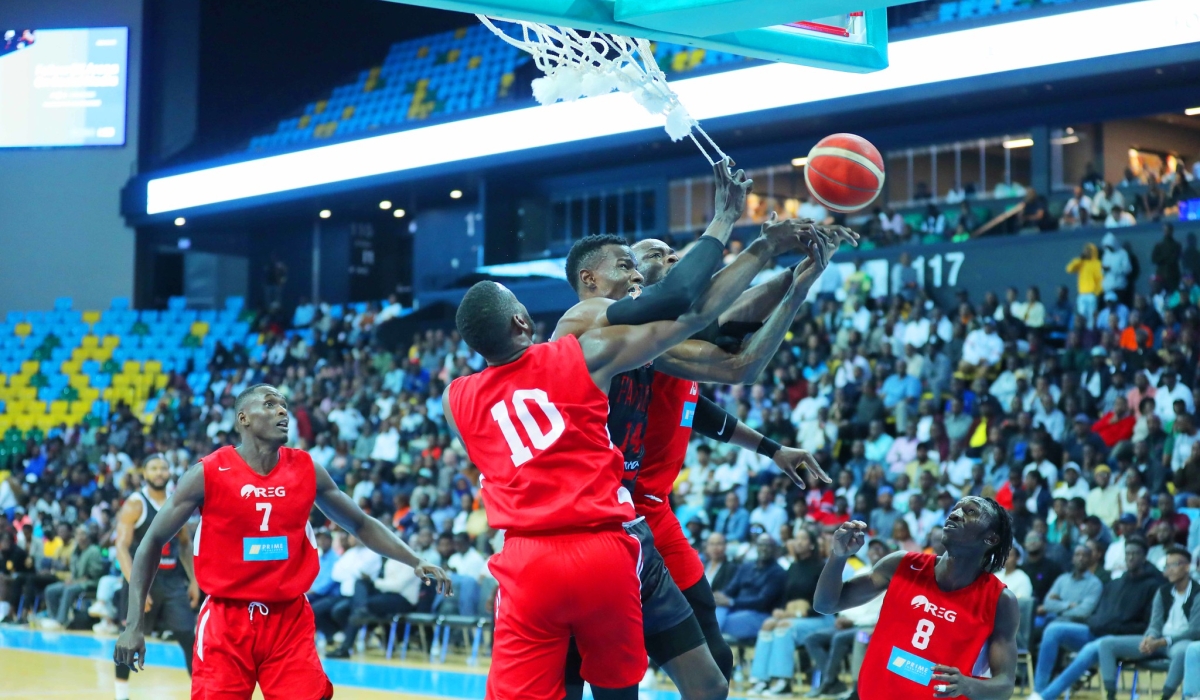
(249, 394)
(587, 253)
(485, 319)
(654, 259)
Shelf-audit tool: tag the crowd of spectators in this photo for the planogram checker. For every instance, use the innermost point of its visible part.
(1076, 416)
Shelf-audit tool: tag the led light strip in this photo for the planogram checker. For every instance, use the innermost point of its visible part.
(1031, 43)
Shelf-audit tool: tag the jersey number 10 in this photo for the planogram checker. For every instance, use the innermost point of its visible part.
(520, 452)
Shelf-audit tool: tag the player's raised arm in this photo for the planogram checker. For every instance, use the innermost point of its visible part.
(703, 361)
(188, 496)
(949, 682)
(832, 595)
(372, 533)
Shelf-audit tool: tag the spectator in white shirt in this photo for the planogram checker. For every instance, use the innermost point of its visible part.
(806, 408)
(1105, 200)
(1170, 392)
(1077, 211)
(983, 346)
(1072, 486)
(466, 560)
(1119, 218)
(732, 477)
(387, 443)
(768, 514)
(348, 420)
(916, 331)
(903, 451)
(1185, 437)
(1014, 578)
(819, 434)
(322, 453)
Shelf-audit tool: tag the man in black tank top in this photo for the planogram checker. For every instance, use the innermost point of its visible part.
(628, 402)
(174, 595)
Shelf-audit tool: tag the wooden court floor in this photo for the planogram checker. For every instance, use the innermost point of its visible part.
(47, 666)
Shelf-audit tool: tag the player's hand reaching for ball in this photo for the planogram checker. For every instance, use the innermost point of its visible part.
(849, 538)
(434, 576)
(731, 190)
(787, 235)
(131, 650)
(792, 460)
(949, 682)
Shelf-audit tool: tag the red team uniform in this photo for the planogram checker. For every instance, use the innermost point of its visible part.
(255, 557)
(920, 626)
(536, 429)
(672, 407)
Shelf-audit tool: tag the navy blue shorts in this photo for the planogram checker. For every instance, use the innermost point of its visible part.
(668, 622)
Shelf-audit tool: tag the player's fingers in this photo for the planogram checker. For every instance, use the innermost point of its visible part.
(815, 468)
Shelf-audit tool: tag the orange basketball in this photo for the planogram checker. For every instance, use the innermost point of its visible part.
(844, 172)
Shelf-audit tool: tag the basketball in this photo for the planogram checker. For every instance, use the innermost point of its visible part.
(844, 172)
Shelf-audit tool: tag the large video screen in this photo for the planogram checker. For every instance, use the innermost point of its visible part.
(63, 87)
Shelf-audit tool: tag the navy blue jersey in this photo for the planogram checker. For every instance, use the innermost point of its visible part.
(628, 413)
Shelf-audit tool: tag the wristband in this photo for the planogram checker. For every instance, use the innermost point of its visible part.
(768, 447)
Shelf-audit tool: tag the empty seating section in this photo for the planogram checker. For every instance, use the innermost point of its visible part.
(70, 367)
(927, 13)
(459, 72)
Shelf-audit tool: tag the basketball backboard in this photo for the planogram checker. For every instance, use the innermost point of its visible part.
(827, 33)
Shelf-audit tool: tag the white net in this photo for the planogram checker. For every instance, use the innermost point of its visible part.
(587, 64)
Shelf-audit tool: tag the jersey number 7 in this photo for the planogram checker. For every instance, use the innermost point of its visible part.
(540, 441)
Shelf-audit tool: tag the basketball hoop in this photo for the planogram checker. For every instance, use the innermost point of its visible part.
(588, 64)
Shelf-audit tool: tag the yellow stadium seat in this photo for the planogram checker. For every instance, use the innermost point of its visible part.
(22, 330)
(200, 329)
(88, 396)
(79, 381)
(131, 367)
(91, 317)
(70, 367)
(123, 380)
(28, 393)
(89, 341)
(101, 354)
(160, 381)
(24, 423)
(153, 367)
(29, 367)
(18, 380)
(35, 407)
(110, 341)
(5, 423)
(59, 407)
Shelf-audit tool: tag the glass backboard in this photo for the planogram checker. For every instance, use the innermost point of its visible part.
(854, 39)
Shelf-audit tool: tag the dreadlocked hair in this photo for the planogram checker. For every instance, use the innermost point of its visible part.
(1002, 525)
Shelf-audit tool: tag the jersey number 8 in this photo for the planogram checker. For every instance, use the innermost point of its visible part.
(920, 640)
(520, 453)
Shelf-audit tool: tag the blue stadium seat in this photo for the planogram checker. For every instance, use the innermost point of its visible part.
(120, 304)
(63, 304)
(177, 303)
(148, 316)
(948, 11)
(235, 304)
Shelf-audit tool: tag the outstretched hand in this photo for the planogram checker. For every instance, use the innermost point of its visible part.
(786, 235)
(131, 650)
(849, 538)
(731, 190)
(434, 576)
(791, 460)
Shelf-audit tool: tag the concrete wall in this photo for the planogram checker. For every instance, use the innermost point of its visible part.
(61, 232)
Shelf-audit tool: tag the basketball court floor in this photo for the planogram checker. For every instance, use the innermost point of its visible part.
(37, 665)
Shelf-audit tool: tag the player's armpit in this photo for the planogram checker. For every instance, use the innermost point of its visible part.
(583, 317)
(615, 349)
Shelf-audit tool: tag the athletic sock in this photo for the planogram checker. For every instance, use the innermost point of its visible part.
(122, 690)
(5, 609)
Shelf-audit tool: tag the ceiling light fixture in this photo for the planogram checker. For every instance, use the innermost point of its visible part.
(455, 194)
(1018, 143)
(799, 162)
(385, 204)
(325, 214)
(399, 213)
(180, 221)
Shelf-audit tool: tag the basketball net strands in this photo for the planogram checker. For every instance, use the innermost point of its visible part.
(588, 64)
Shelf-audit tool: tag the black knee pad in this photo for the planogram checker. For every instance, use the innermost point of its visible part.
(700, 597)
(630, 693)
(666, 645)
(122, 672)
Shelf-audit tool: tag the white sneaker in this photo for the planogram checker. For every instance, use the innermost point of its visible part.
(105, 627)
(758, 688)
(1035, 696)
(50, 624)
(339, 637)
(779, 687)
(98, 609)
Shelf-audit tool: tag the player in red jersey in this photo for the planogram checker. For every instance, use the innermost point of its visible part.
(718, 354)
(602, 270)
(535, 423)
(939, 612)
(255, 556)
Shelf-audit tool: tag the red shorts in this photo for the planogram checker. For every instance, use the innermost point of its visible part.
(239, 644)
(682, 561)
(553, 587)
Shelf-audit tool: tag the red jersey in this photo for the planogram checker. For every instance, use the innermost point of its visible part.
(672, 408)
(254, 541)
(920, 626)
(537, 430)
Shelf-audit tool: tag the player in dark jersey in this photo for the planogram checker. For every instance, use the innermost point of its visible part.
(602, 270)
(718, 354)
(944, 618)
(174, 596)
(255, 557)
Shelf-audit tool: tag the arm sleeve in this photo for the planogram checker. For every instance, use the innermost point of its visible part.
(673, 296)
(712, 421)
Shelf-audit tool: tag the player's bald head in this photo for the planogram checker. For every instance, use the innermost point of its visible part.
(654, 259)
